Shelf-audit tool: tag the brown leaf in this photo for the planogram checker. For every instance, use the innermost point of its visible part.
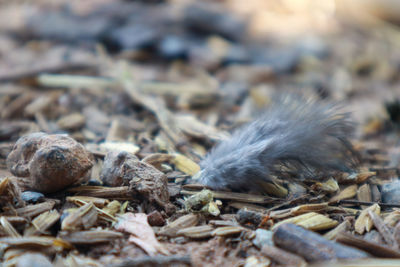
(141, 233)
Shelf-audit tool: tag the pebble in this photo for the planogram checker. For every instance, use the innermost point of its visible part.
(32, 197)
(390, 192)
(49, 163)
(263, 237)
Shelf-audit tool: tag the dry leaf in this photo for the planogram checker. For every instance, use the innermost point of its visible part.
(141, 232)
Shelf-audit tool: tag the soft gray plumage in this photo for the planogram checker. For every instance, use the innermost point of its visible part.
(294, 136)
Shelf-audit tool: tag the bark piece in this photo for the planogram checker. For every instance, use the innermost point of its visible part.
(116, 168)
(151, 184)
(123, 168)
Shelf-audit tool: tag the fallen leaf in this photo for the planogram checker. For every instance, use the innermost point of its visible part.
(141, 232)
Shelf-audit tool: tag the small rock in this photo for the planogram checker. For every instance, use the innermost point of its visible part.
(32, 260)
(32, 197)
(49, 163)
(172, 47)
(155, 218)
(263, 237)
(390, 192)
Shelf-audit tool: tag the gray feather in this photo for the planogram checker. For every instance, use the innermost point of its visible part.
(294, 136)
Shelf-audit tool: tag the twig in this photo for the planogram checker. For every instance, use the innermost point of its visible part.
(359, 203)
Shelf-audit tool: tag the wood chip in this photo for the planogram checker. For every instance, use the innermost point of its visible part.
(182, 222)
(185, 164)
(364, 221)
(42, 222)
(301, 209)
(311, 220)
(364, 194)
(348, 192)
(341, 228)
(197, 232)
(8, 228)
(90, 237)
(79, 200)
(227, 230)
(80, 219)
(31, 211)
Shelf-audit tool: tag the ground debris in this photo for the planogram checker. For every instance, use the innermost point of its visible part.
(108, 110)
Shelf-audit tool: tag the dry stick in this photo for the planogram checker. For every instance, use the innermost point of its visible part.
(357, 202)
(371, 247)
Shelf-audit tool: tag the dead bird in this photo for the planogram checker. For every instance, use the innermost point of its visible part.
(295, 136)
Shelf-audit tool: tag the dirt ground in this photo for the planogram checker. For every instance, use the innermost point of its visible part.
(118, 102)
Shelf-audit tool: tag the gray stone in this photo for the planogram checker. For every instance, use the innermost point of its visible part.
(391, 192)
(263, 237)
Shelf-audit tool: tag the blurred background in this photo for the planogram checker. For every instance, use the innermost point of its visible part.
(218, 61)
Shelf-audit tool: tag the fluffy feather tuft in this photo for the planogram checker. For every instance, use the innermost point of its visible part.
(294, 136)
